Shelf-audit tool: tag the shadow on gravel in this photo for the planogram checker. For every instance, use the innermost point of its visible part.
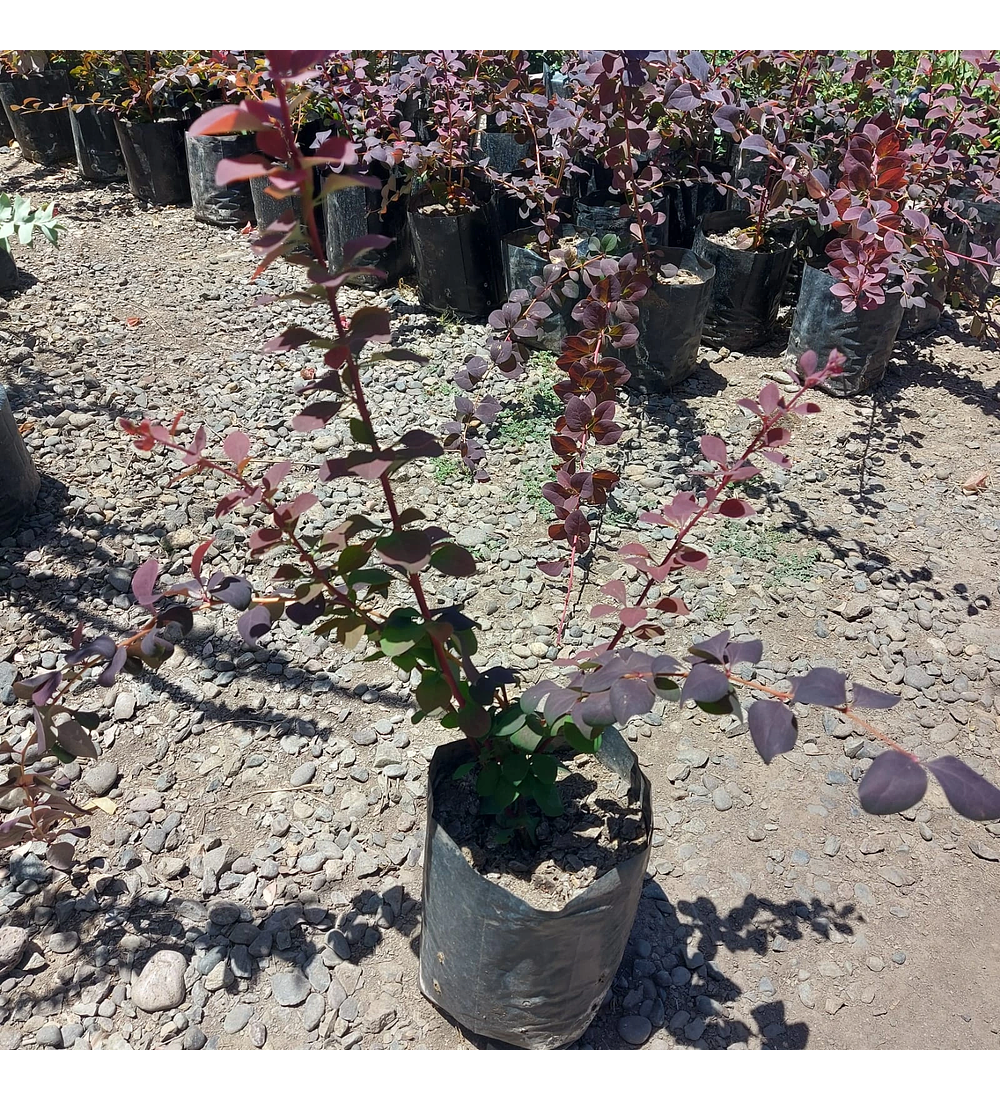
(688, 935)
(24, 280)
(124, 920)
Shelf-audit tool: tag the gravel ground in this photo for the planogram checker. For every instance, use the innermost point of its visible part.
(253, 878)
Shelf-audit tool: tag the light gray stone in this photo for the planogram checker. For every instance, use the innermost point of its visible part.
(101, 778)
(290, 988)
(160, 986)
(13, 941)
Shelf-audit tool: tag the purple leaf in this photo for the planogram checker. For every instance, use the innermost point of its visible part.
(629, 698)
(409, 549)
(99, 647)
(736, 509)
(595, 711)
(893, 783)
(867, 698)
(254, 624)
(738, 653)
(714, 449)
(578, 414)
(75, 739)
(552, 568)
(772, 727)
(705, 684)
(294, 337)
(306, 612)
(369, 323)
(237, 446)
(235, 591)
(274, 475)
(60, 855)
(177, 613)
(143, 581)
(712, 649)
(315, 416)
(113, 667)
(488, 409)
(559, 701)
(40, 688)
(968, 792)
(826, 687)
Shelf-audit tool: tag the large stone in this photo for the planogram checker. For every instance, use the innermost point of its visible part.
(290, 988)
(101, 778)
(124, 707)
(13, 941)
(857, 607)
(160, 986)
(635, 1030)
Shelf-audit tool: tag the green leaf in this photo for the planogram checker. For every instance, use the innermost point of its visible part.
(474, 720)
(373, 578)
(489, 776)
(549, 800)
(718, 706)
(61, 754)
(578, 740)
(545, 767)
(87, 718)
(526, 739)
(667, 688)
(453, 561)
(352, 558)
(463, 769)
(514, 768)
(502, 796)
(361, 434)
(394, 649)
(432, 692)
(508, 722)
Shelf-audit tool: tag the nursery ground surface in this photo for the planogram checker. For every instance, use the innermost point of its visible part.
(260, 819)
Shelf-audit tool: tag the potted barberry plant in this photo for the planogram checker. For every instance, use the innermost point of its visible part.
(150, 121)
(533, 975)
(33, 95)
(97, 81)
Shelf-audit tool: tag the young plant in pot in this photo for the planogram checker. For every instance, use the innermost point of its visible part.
(954, 181)
(667, 289)
(530, 974)
(752, 251)
(150, 122)
(867, 249)
(542, 261)
(19, 482)
(18, 222)
(693, 109)
(209, 80)
(97, 84)
(364, 107)
(33, 95)
(457, 256)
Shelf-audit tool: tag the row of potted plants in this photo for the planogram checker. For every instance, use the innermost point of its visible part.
(880, 195)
